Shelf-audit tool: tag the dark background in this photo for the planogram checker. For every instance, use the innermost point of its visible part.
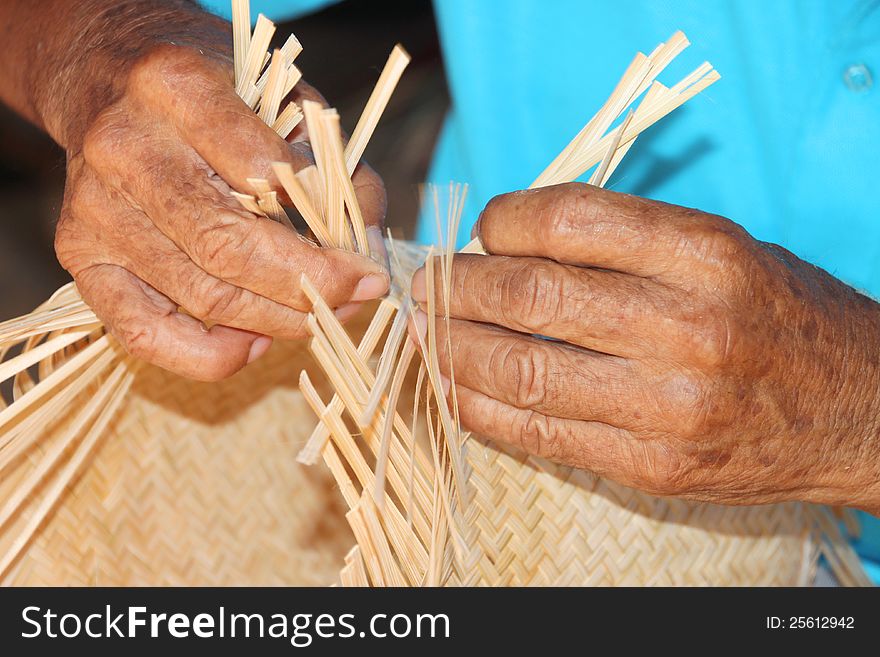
(345, 47)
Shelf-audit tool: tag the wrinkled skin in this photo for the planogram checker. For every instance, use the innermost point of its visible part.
(156, 140)
(690, 359)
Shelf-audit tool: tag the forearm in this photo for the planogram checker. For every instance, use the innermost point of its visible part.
(62, 62)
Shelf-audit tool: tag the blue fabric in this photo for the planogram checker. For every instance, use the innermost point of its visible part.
(785, 144)
(276, 10)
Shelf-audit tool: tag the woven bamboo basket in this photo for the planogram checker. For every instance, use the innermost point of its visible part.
(115, 472)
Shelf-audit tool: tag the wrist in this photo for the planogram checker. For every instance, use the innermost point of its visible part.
(103, 40)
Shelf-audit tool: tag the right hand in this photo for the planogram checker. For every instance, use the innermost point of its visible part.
(148, 224)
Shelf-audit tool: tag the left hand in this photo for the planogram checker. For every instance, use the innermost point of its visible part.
(690, 359)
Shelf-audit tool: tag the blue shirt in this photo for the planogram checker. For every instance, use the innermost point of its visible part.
(786, 144)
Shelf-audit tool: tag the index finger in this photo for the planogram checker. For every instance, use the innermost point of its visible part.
(583, 225)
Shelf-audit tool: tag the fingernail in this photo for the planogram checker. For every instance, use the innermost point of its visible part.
(376, 242)
(259, 347)
(371, 286)
(445, 384)
(419, 292)
(475, 229)
(347, 311)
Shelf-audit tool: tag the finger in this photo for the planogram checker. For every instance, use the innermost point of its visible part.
(601, 448)
(601, 310)
(149, 327)
(587, 226)
(174, 187)
(552, 378)
(109, 231)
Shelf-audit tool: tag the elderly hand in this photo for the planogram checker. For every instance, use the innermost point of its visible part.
(689, 359)
(148, 223)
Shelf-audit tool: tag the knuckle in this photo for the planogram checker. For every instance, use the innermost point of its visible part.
(225, 244)
(532, 291)
(537, 436)
(708, 339)
(688, 404)
(564, 213)
(661, 470)
(525, 371)
(718, 241)
(218, 302)
(139, 339)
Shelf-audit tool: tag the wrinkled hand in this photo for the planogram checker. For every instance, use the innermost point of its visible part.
(148, 222)
(691, 360)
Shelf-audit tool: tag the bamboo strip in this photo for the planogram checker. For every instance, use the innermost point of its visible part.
(386, 367)
(254, 60)
(274, 92)
(27, 433)
(51, 382)
(287, 120)
(366, 125)
(388, 421)
(403, 540)
(28, 358)
(302, 202)
(343, 181)
(309, 454)
(241, 35)
(122, 383)
(51, 457)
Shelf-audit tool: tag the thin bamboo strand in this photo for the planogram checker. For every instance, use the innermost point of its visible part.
(636, 72)
(289, 51)
(324, 354)
(355, 561)
(50, 458)
(391, 570)
(599, 174)
(302, 201)
(256, 54)
(309, 454)
(241, 35)
(70, 468)
(355, 384)
(322, 318)
(249, 203)
(28, 358)
(28, 432)
(366, 125)
(10, 330)
(369, 551)
(396, 335)
(388, 421)
(590, 156)
(650, 98)
(400, 533)
(287, 120)
(274, 92)
(434, 377)
(51, 382)
(334, 197)
(404, 542)
(344, 183)
(662, 105)
(420, 379)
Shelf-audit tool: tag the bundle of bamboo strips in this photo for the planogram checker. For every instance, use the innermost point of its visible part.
(427, 504)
